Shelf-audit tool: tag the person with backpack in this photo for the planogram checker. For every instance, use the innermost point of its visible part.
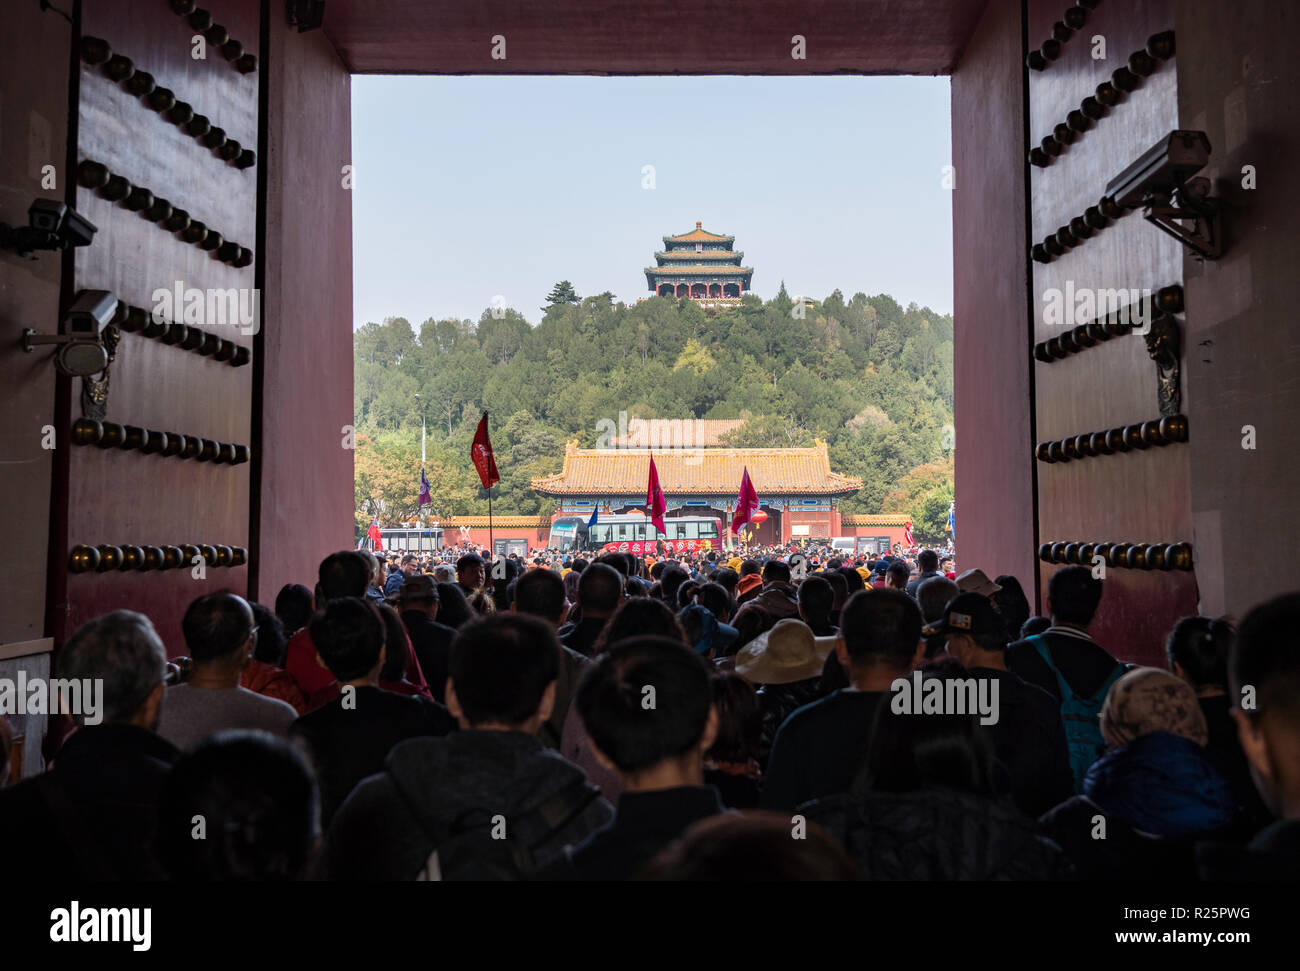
(488, 802)
(1069, 665)
(1153, 794)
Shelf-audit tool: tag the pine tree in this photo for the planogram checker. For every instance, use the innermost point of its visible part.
(562, 292)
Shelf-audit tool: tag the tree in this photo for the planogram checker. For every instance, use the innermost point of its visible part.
(562, 292)
(871, 378)
(924, 494)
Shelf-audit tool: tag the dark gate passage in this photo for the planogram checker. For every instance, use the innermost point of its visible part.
(1126, 400)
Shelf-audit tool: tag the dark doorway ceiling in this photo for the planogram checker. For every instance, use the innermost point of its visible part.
(649, 37)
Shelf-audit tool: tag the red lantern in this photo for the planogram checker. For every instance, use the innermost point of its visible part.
(758, 517)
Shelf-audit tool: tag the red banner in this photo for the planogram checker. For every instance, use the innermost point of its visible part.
(655, 504)
(481, 453)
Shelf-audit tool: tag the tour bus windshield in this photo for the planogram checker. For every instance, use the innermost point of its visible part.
(565, 533)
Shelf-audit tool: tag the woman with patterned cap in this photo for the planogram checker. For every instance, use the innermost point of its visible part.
(1154, 793)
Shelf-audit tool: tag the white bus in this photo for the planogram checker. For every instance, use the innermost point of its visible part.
(405, 539)
(634, 533)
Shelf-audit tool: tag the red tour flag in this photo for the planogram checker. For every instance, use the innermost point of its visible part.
(481, 453)
(376, 536)
(907, 533)
(655, 503)
(746, 503)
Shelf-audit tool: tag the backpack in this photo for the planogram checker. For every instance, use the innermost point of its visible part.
(1082, 729)
(483, 845)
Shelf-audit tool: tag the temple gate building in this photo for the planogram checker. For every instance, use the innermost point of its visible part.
(700, 265)
(796, 487)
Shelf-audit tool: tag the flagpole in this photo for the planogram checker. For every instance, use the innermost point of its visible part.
(491, 545)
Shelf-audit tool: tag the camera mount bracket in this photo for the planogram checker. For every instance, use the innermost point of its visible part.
(1189, 201)
(24, 240)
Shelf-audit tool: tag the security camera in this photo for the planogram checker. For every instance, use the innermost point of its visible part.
(51, 225)
(81, 351)
(90, 313)
(1161, 183)
(1161, 170)
(46, 215)
(72, 228)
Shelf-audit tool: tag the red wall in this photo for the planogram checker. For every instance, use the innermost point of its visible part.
(33, 133)
(303, 499)
(992, 390)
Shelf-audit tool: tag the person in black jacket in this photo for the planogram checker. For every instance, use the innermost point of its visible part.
(419, 603)
(1197, 649)
(349, 738)
(93, 816)
(540, 593)
(927, 562)
(819, 748)
(1264, 680)
(657, 749)
(436, 795)
(600, 591)
(924, 806)
(1028, 736)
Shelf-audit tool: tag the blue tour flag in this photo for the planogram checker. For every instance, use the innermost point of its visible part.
(592, 521)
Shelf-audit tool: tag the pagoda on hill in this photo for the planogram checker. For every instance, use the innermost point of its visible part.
(700, 265)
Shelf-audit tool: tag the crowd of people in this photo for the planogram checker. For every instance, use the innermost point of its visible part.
(777, 715)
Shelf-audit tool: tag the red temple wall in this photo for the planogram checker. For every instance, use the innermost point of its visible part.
(304, 494)
(991, 376)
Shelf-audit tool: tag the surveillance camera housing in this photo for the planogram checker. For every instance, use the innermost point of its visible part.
(1164, 184)
(1161, 170)
(51, 225)
(82, 350)
(90, 313)
(77, 230)
(46, 215)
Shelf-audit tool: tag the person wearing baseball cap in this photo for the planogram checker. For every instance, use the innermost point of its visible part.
(1028, 735)
(418, 602)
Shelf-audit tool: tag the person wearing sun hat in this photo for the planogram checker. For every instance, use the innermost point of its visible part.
(976, 581)
(785, 665)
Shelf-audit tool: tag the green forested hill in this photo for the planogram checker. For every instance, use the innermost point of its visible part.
(871, 377)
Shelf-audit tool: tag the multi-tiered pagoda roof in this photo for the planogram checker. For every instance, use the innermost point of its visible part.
(701, 265)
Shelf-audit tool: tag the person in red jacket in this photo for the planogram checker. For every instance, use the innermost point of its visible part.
(343, 574)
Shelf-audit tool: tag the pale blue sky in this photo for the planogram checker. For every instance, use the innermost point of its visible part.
(469, 187)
